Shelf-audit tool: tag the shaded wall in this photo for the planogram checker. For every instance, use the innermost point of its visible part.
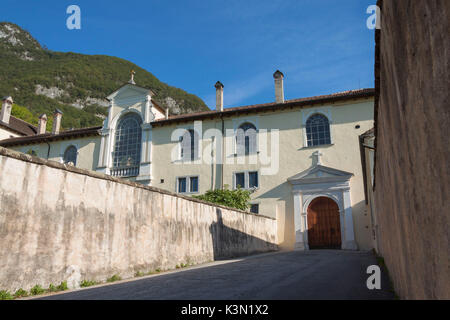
(59, 223)
(412, 145)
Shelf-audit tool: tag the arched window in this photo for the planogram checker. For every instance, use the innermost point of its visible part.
(70, 155)
(246, 139)
(189, 145)
(318, 130)
(127, 146)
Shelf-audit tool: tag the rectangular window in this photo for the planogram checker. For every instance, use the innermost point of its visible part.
(240, 180)
(187, 184)
(254, 208)
(253, 179)
(181, 185)
(193, 184)
(247, 179)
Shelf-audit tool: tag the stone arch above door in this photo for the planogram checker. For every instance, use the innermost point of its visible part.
(321, 181)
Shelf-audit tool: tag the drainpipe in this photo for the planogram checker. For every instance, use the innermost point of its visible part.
(223, 150)
(48, 150)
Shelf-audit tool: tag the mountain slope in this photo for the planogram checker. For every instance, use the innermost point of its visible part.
(43, 80)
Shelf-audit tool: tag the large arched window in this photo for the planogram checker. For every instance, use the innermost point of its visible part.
(189, 145)
(70, 155)
(246, 139)
(318, 130)
(127, 146)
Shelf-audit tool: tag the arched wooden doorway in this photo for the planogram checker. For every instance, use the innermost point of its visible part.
(324, 227)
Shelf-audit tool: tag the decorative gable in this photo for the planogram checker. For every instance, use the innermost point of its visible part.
(320, 174)
(128, 91)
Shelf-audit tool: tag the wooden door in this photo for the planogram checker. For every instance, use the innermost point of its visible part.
(324, 226)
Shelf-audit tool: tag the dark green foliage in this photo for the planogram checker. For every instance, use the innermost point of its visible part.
(37, 289)
(238, 198)
(87, 283)
(62, 286)
(31, 152)
(20, 293)
(52, 288)
(80, 76)
(5, 295)
(114, 278)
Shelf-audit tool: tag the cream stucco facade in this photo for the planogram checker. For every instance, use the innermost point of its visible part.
(282, 153)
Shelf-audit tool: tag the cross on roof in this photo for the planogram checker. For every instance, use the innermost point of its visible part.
(132, 73)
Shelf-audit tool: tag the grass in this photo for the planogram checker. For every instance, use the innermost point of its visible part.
(21, 293)
(114, 278)
(62, 286)
(5, 295)
(88, 283)
(38, 290)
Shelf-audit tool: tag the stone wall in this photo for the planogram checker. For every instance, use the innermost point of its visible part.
(62, 223)
(412, 145)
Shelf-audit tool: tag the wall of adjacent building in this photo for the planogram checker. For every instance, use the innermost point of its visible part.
(88, 149)
(6, 134)
(61, 223)
(274, 194)
(412, 146)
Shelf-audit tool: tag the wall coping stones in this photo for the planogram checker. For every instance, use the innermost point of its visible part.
(54, 164)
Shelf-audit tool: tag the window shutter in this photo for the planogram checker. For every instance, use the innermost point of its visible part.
(240, 142)
(251, 133)
(186, 146)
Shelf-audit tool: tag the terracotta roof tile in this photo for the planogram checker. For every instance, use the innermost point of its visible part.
(19, 126)
(339, 96)
(46, 137)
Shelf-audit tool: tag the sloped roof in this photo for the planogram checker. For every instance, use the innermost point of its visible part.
(47, 137)
(19, 126)
(334, 97)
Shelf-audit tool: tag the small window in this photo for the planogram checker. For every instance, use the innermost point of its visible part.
(254, 208)
(318, 130)
(253, 179)
(193, 184)
(240, 180)
(181, 185)
(187, 184)
(246, 180)
(70, 156)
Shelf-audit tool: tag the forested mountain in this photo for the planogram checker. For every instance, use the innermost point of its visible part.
(42, 80)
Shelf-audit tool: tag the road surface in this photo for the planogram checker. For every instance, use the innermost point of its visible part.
(315, 274)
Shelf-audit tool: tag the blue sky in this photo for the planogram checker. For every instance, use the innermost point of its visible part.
(321, 46)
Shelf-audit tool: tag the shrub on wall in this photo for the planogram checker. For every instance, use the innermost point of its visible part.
(238, 198)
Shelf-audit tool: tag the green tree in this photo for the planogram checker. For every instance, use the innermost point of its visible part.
(238, 198)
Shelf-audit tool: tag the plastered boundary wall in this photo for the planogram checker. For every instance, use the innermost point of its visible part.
(61, 223)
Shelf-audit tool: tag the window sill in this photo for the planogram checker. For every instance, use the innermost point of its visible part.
(188, 193)
(254, 189)
(186, 161)
(318, 146)
(245, 155)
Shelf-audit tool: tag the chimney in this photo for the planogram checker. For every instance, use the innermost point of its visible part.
(6, 109)
(167, 113)
(57, 115)
(279, 91)
(42, 124)
(219, 96)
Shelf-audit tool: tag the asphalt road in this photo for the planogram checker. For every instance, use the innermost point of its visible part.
(315, 274)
